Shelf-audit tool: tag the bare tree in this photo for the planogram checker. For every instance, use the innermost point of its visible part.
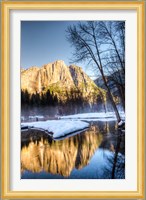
(113, 33)
(91, 43)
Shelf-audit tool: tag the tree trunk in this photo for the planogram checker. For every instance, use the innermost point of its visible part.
(111, 98)
(122, 95)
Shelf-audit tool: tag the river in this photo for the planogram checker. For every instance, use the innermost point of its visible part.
(96, 153)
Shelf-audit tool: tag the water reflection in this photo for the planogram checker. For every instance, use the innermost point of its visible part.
(85, 155)
(60, 157)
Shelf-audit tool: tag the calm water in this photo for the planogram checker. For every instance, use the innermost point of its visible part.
(97, 153)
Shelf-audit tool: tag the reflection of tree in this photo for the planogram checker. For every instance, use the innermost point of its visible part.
(114, 141)
(116, 163)
(60, 157)
(117, 166)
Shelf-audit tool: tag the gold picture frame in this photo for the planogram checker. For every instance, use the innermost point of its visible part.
(7, 6)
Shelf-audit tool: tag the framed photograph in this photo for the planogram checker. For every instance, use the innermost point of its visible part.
(73, 99)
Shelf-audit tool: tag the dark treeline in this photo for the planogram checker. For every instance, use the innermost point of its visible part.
(72, 102)
(39, 99)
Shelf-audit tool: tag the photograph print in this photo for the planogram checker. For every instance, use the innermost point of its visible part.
(72, 99)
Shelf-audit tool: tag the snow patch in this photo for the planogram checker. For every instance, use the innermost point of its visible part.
(59, 128)
(121, 123)
(36, 117)
(22, 118)
(98, 116)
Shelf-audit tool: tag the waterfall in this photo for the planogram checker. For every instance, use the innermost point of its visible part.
(39, 83)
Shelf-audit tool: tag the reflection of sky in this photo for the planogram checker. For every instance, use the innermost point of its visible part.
(43, 42)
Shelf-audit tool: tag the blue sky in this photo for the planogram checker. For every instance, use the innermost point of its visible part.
(43, 42)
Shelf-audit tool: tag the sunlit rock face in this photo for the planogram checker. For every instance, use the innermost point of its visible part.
(60, 157)
(36, 79)
(62, 80)
(21, 70)
(29, 79)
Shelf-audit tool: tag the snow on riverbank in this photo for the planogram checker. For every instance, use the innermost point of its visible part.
(59, 128)
(69, 124)
(99, 116)
(36, 117)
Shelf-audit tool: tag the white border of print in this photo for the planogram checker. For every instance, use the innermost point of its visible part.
(127, 184)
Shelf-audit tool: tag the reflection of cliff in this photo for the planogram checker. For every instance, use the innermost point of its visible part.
(60, 157)
(89, 144)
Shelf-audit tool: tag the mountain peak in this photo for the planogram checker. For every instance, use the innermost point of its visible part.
(33, 68)
(22, 69)
(59, 62)
(60, 79)
(74, 66)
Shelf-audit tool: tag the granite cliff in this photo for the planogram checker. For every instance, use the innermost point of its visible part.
(62, 80)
